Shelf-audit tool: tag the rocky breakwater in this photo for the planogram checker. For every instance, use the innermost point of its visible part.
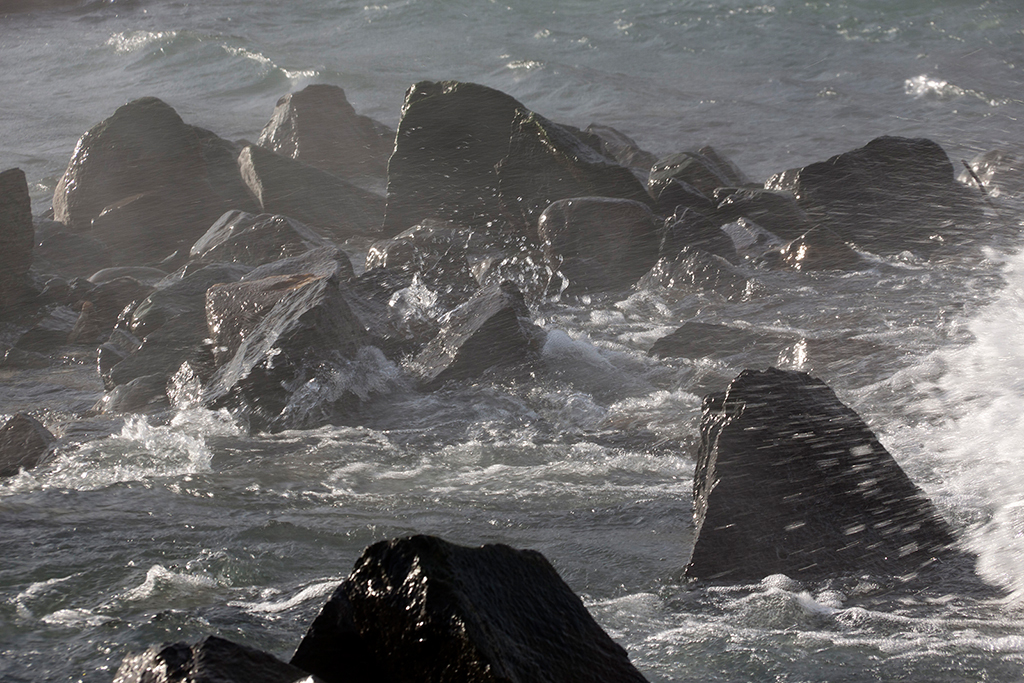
(421, 609)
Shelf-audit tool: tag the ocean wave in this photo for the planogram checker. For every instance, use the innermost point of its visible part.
(928, 87)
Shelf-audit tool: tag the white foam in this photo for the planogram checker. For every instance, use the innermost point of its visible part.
(314, 592)
(161, 579)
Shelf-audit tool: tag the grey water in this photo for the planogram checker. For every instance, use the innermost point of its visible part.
(152, 528)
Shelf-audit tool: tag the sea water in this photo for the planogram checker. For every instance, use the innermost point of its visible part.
(153, 528)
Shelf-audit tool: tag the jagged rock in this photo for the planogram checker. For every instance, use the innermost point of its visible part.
(820, 249)
(693, 271)
(24, 442)
(673, 196)
(16, 240)
(221, 158)
(546, 162)
(241, 237)
(284, 186)
(50, 332)
(212, 660)
(791, 481)
(893, 194)
(703, 170)
(423, 609)
(449, 140)
(327, 261)
(102, 306)
(491, 330)
(599, 243)
(137, 181)
(319, 127)
(999, 171)
(616, 145)
(776, 212)
(275, 335)
(754, 243)
(693, 229)
(70, 254)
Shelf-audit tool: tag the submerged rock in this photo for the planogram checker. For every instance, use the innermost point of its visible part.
(16, 240)
(893, 194)
(319, 127)
(491, 330)
(24, 442)
(599, 243)
(791, 481)
(284, 186)
(423, 609)
(212, 660)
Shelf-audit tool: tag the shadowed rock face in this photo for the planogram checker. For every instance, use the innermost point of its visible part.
(24, 441)
(789, 480)
(16, 238)
(421, 609)
(212, 660)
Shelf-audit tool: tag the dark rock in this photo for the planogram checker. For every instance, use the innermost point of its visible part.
(893, 194)
(820, 249)
(674, 196)
(789, 480)
(118, 347)
(135, 396)
(703, 340)
(212, 660)
(285, 186)
(145, 168)
(1000, 173)
(71, 254)
(599, 243)
(545, 163)
(16, 240)
(491, 330)
(725, 166)
(754, 243)
(326, 261)
(693, 229)
(616, 145)
(422, 609)
(182, 294)
(24, 442)
(50, 332)
(273, 336)
(161, 351)
(144, 274)
(449, 140)
(241, 237)
(319, 127)
(221, 158)
(693, 271)
(399, 313)
(692, 168)
(776, 212)
(102, 306)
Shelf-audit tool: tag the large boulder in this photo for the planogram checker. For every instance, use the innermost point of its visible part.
(241, 237)
(491, 330)
(703, 171)
(272, 337)
(599, 243)
(319, 127)
(791, 481)
(891, 195)
(423, 609)
(284, 186)
(546, 162)
(449, 140)
(211, 660)
(24, 442)
(138, 182)
(16, 239)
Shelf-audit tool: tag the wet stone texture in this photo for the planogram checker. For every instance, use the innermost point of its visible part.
(791, 481)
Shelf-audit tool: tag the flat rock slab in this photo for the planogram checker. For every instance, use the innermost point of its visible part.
(791, 481)
(422, 609)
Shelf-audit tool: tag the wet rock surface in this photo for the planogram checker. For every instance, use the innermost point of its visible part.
(423, 609)
(241, 237)
(791, 481)
(211, 660)
(24, 443)
(16, 240)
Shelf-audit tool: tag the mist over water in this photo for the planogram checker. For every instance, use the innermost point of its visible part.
(154, 528)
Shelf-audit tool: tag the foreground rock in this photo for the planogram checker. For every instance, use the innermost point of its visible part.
(791, 481)
(241, 237)
(319, 127)
(491, 330)
(24, 442)
(16, 238)
(422, 609)
(212, 660)
(891, 195)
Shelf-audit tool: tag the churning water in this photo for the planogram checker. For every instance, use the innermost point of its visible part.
(147, 529)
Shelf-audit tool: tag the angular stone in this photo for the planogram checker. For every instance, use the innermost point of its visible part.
(16, 240)
(491, 330)
(212, 660)
(241, 237)
(449, 140)
(791, 481)
(145, 167)
(693, 271)
(777, 212)
(692, 168)
(821, 249)
(546, 162)
(893, 194)
(102, 306)
(221, 158)
(24, 442)
(70, 254)
(616, 145)
(694, 229)
(599, 243)
(319, 127)
(423, 609)
(284, 186)
(326, 261)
